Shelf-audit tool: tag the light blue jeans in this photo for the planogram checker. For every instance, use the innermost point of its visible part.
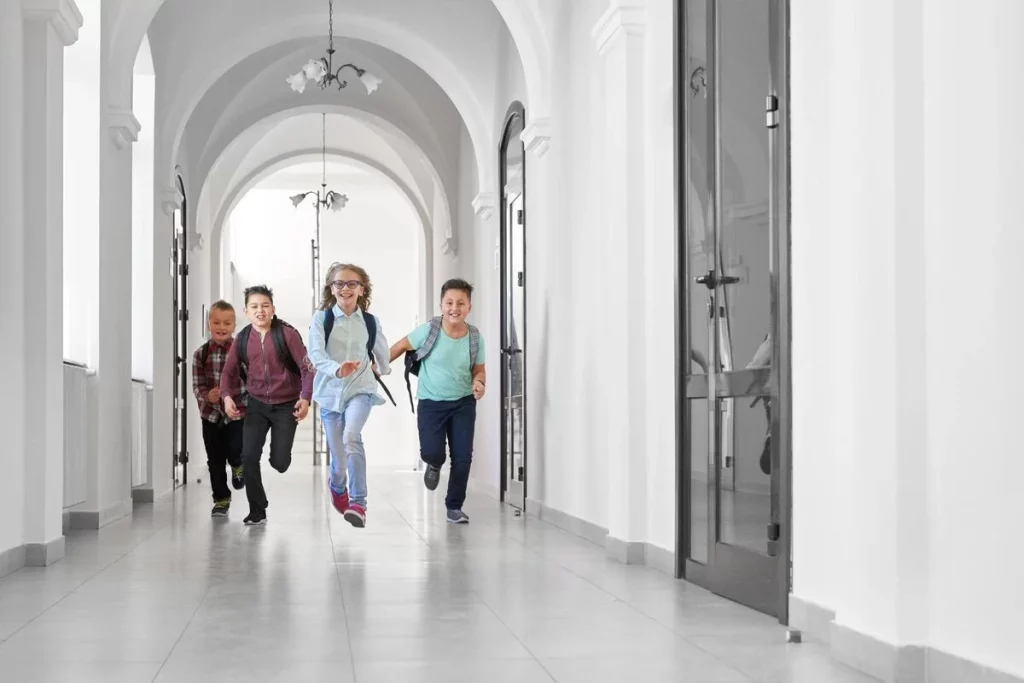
(345, 442)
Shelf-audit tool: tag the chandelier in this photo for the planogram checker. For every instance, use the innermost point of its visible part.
(329, 199)
(322, 71)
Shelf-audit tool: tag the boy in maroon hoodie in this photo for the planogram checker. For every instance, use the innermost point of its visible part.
(269, 356)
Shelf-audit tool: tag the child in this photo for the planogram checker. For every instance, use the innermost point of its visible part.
(345, 342)
(452, 379)
(222, 435)
(278, 380)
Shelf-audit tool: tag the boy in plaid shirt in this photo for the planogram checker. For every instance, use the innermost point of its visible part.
(221, 434)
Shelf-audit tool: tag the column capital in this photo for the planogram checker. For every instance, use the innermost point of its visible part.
(537, 136)
(624, 17)
(124, 127)
(171, 199)
(484, 204)
(62, 14)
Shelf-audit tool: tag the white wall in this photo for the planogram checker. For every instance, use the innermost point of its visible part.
(905, 452)
(378, 230)
(82, 187)
(143, 93)
(12, 308)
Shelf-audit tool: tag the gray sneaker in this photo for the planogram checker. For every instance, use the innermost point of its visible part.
(457, 517)
(431, 477)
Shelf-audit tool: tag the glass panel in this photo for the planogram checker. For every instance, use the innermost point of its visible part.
(700, 241)
(513, 272)
(745, 503)
(699, 483)
(744, 247)
(743, 259)
(515, 325)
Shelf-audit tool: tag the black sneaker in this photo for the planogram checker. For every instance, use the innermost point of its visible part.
(220, 508)
(256, 518)
(431, 477)
(237, 477)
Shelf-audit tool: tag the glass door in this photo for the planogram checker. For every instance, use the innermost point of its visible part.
(735, 284)
(513, 310)
(182, 380)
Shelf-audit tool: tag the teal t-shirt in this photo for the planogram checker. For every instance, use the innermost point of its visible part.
(445, 375)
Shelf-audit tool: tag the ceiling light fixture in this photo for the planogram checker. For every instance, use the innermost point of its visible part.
(322, 71)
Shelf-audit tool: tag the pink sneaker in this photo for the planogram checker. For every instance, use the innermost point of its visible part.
(356, 516)
(340, 501)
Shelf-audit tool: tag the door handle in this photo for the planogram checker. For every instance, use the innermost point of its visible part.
(711, 280)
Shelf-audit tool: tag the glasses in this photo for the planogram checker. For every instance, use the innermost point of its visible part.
(342, 284)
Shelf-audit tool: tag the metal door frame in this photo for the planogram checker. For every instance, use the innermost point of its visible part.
(769, 598)
(181, 319)
(509, 488)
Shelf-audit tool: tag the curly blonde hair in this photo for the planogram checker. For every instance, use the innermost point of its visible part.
(328, 299)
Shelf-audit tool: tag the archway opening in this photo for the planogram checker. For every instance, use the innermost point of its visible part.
(268, 241)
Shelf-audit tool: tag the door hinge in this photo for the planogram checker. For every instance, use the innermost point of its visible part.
(519, 216)
(773, 532)
(520, 278)
(771, 108)
(183, 315)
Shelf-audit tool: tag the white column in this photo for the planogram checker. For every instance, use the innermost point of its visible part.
(619, 36)
(50, 26)
(541, 259)
(114, 359)
(12, 307)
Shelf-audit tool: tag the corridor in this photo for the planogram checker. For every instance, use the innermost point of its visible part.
(172, 595)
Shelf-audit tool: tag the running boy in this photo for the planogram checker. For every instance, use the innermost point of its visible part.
(452, 379)
(345, 343)
(270, 358)
(222, 435)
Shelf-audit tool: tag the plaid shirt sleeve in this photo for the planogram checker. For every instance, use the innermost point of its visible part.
(200, 386)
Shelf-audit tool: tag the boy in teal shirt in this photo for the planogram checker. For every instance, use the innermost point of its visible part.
(452, 378)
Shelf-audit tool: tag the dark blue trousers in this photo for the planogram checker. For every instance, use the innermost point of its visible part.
(454, 422)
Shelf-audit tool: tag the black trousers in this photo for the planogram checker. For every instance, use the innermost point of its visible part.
(223, 447)
(261, 418)
(454, 422)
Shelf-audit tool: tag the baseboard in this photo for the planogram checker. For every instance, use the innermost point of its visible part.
(143, 494)
(44, 554)
(483, 489)
(887, 662)
(659, 558)
(884, 661)
(946, 668)
(811, 619)
(89, 520)
(11, 560)
(588, 531)
(626, 552)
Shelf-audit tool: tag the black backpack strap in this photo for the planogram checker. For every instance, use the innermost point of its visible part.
(371, 332)
(283, 353)
(242, 342)
(328, 325)
(204, 354)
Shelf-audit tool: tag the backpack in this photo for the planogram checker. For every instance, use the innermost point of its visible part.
(277, 336)
(371, 332)
(413, 359)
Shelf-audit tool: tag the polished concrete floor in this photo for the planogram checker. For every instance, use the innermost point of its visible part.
(172, 595)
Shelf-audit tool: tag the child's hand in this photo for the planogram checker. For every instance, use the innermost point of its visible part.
(230, 409)
(478, 389)
(213, 395)
(347, 368)
(301, 410)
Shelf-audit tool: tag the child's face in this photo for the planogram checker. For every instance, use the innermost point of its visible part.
(260, 311)
(455, 306)
(222, 325)
(344, 291)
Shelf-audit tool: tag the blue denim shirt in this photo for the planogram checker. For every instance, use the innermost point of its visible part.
(347, 343)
